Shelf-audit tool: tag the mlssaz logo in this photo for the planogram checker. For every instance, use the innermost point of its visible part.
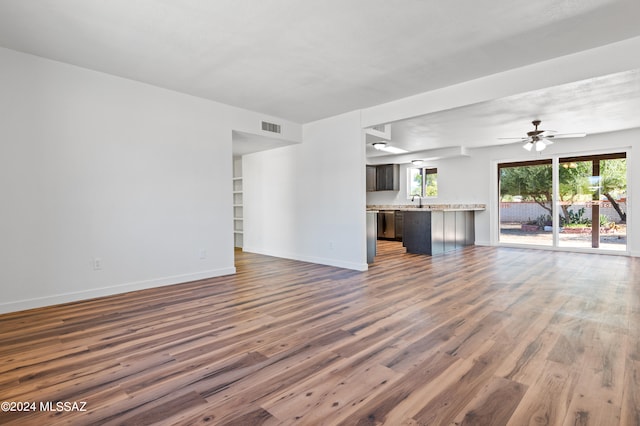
(63, 406)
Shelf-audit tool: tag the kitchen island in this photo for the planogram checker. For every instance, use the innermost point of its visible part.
(436, 229)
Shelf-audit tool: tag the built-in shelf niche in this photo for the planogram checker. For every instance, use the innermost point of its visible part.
(238, 214)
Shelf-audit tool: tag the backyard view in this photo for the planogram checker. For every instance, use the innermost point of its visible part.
(590, 202)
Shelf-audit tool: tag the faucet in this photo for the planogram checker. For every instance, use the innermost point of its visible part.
(419, 199)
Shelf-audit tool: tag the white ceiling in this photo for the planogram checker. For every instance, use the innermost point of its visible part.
(306, 60)
(598, 105)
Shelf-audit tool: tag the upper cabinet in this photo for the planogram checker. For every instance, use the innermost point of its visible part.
(385, 177)
(371, 178)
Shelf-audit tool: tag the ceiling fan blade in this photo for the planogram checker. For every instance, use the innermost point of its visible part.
(540, 139)
(567, 135)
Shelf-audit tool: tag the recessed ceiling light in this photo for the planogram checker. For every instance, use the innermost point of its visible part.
(416, 162)
(379, 145)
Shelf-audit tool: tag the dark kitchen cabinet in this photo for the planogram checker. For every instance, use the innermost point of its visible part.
(399, 220)
(371, 178)
(436, 232)
(387, 177)
(417, 236)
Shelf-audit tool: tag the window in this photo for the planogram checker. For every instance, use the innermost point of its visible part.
(423, 182)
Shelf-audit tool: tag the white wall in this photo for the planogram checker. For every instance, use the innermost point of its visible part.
(307, 201)
(96, 166)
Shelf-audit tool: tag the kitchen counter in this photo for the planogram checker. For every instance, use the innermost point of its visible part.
(440, 209)
(429, 207)
(429, 229)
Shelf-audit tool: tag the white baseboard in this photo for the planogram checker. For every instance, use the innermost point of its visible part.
(311, 259)
(55, 299)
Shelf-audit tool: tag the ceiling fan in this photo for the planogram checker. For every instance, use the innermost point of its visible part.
(539, 138)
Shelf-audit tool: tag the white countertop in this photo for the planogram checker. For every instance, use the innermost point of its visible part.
(428, 207)
(440, 209)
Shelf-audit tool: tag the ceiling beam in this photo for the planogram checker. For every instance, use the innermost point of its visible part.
(600, 61)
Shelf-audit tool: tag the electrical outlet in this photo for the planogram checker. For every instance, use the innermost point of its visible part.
(203, 254)
(97, 264)
(330, 245)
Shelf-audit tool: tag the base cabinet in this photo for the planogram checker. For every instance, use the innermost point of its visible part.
(372, 228)
(436, 232)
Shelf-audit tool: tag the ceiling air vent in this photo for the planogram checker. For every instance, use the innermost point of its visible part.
(271, 127)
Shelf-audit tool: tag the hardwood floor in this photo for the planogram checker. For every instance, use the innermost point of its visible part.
(483, 336)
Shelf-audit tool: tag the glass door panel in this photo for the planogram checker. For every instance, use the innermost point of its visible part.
(613, 204)
(577, 190)
(526, 203)
(592, 202)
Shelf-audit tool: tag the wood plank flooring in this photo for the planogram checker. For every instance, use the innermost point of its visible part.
(482, 336)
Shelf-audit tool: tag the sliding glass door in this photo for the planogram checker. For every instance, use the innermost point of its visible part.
(581, 205)
(592, 201)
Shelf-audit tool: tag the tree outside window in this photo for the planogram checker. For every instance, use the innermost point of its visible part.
(423, 182)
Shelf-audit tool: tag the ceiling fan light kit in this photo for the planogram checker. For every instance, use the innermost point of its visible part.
(541, 138)
(542, 144)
